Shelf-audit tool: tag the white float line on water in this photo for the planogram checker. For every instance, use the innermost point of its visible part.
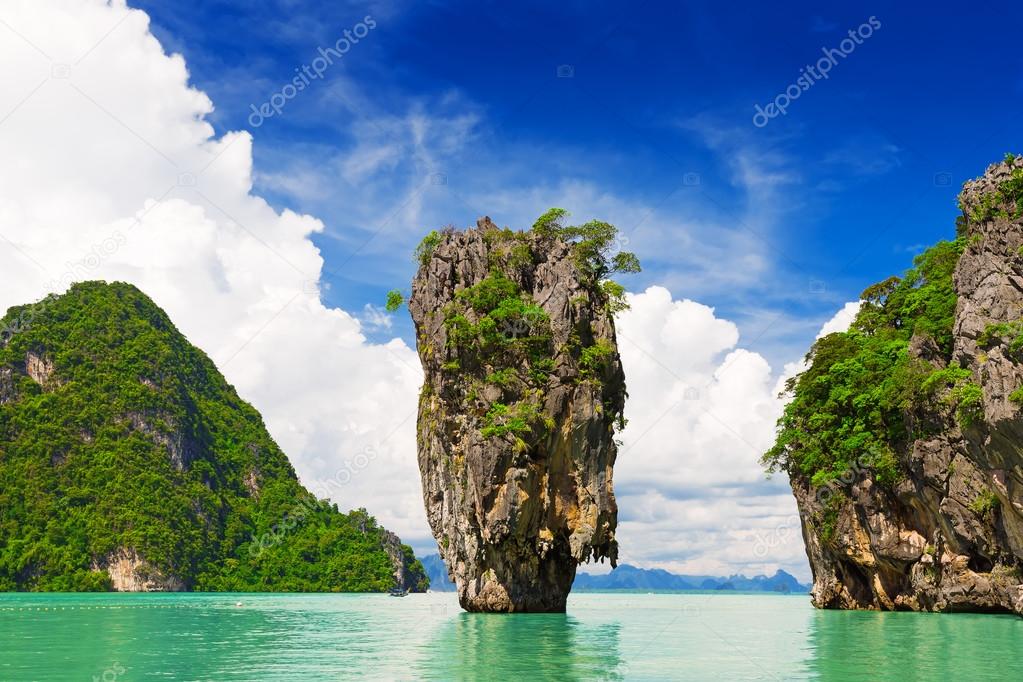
(115, 606)
(94, 608)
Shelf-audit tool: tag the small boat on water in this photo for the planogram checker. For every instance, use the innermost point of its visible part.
(398, 592)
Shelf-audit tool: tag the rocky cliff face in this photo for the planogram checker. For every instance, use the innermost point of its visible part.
(409, 573)
(131, 573)
(523, 388)
(948, 536)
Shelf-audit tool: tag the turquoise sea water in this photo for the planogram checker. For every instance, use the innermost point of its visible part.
(692, 636)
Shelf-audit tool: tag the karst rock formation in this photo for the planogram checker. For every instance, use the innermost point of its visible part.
(948, 535)
(523, 390)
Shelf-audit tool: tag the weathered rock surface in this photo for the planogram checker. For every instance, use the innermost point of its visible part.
(517, 506)
(6, 385)
(131, 573)
(950, 536)
(408, 573)
(39, 368)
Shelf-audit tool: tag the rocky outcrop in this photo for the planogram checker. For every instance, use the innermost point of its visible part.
(409, 573)
(39, 368)
(181, 449)
(523, 388)
(949, 536)
(7, 393)
(131, 573)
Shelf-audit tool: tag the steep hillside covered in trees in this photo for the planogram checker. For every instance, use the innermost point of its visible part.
(128, 462)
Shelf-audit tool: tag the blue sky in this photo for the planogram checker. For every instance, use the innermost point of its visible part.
(753, 232)
(788, 220)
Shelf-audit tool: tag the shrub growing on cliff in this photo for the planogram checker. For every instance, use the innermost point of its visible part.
(593, 359)
(857, 399)
(426, 247)
(985, 503)
(1008, 333)
(593, 244)
(957, 390)
(507, 322)
(1008, 193)
(395, 299)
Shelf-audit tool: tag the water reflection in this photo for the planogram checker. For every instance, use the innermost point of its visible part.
(206, 637)
(868, 645)
(537, 646)
(427, 637)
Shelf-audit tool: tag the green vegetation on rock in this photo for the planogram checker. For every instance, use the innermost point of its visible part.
(1008, 333)
(985, 503)
(395, 299)
(508, 324)
(858, 402)
(118, 435)
(1005, 202)
(426, 247)
(593, 244)
(500, 327)
(957, 390)
(593, 358)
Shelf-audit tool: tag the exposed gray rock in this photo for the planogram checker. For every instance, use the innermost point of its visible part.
(129, 572)
(950, 537)
(406, 576)
(39, 368)
(515, 513)
(7, 393)
(163, 430)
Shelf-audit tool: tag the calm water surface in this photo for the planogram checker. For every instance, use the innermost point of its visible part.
(603, 636)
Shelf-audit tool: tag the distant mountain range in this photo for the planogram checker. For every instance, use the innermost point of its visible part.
(627, 577)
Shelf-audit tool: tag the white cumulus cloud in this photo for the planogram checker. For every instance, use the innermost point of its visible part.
(111, 172)
(692, 494)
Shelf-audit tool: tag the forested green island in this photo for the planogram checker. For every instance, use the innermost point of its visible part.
(128, 462)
